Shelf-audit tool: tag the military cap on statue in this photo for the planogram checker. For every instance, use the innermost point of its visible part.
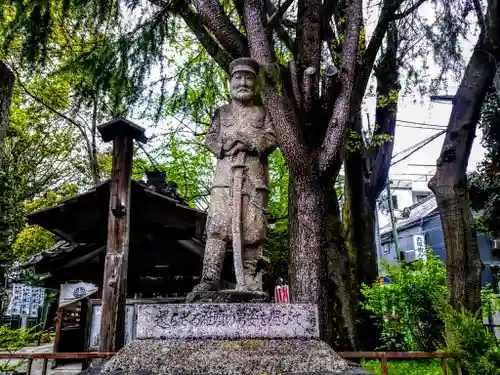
(244, 64)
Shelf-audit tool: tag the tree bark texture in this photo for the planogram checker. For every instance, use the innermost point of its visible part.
(307, 232)
(342, 289)
(6, 87)
(358, 223)
(449, 184)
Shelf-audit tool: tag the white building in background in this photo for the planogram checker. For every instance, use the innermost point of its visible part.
(404, 194)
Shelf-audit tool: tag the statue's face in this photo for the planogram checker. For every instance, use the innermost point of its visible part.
(242, 86)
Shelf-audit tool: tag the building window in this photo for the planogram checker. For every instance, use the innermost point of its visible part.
(394, 202)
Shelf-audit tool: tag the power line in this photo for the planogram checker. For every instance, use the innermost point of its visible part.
(418, 127)
(422, 123)
(420, 145)
(411, 147)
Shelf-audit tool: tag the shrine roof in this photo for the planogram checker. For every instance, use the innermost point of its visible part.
(153, 212)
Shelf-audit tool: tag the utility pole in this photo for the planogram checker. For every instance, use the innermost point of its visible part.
(393, 219)
(114, 287)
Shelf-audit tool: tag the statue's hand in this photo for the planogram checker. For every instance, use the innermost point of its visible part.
(238, 148)
(229, 144)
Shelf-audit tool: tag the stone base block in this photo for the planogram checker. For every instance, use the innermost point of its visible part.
(226, 357)
(231, 321)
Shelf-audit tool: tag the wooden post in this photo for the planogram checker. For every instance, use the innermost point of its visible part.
(114, 287)
(59, 321)
(384, 366)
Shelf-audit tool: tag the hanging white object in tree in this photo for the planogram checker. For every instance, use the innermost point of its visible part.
(71, 293)
(419, 246)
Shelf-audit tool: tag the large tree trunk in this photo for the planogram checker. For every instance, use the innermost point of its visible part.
(359, 229)
(6, 86)
(307, 271)
(315, 224)
(449, 184)
(342, 288)
(358, 217)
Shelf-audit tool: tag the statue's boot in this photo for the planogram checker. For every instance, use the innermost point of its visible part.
(215, 250)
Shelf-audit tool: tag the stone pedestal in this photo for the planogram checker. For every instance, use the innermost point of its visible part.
(227, 339)
(227, 321)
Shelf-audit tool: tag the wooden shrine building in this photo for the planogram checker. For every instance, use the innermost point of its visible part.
(166, 245)
(160, 236)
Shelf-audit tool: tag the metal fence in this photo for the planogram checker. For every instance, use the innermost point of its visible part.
(383, 356)
(30, 357)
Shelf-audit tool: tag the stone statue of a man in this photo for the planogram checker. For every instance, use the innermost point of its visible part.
(241, 137)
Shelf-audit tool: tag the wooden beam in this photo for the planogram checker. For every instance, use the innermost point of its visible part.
(114, 288)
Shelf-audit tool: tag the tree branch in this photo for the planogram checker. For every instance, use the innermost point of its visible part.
(213, 17)
(362, 77)
(79, 126)
(337, 126)
(280, 106)
(410, 10)
(331, 88)
(309, 34)
(480, 17)
(294, 77)
(221, 57)
(276, 17)
(280, 30)
(385, 118)
(240, 8)
(309, 85)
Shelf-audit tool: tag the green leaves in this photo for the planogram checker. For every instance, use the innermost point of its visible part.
(39, 156)
(408, 308)
(484, 183)
(12, 340)
(31, 240)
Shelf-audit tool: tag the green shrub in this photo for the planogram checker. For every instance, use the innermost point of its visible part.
(12, 340)
(408, 308)
(476, 348)
(414, 314)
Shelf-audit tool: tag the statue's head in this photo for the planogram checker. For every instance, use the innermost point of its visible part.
(243, 78)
